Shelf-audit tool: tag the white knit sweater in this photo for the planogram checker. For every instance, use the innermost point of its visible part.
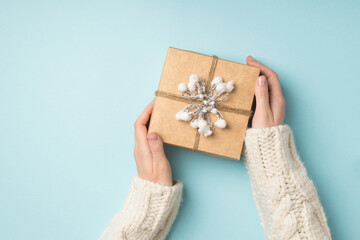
(285, 197)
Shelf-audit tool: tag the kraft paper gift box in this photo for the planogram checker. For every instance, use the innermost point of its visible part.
(236, 108)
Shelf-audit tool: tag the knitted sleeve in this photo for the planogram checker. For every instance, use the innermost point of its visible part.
(148, 212)
(285, 197)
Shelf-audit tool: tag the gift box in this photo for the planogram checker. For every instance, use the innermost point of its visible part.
(203, 103)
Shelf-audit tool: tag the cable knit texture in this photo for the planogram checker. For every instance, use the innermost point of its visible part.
(148, 212)
(286, 198)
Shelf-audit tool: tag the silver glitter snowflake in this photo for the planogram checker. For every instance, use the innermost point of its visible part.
(200, 117)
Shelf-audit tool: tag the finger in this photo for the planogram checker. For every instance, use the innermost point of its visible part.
(262, 95)
(269, 73)
(140, 123)
(157, 148)
(273, 80)
(277, 106)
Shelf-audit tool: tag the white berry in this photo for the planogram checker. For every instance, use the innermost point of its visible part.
(182, 87)
(220, 123)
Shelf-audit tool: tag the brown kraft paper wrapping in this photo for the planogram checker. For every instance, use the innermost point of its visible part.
(224, 142)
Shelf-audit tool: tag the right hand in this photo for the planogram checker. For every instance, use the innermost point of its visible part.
(270, 102)
(151, 162)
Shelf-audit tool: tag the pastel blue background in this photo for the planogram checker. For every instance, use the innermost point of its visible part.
(75, 75)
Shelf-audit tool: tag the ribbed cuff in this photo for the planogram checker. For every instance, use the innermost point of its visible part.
(150, 206)
(264, 132)
(272, 149)
(155, 196)
(148, 212)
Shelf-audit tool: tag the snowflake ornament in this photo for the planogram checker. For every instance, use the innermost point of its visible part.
(200, 117)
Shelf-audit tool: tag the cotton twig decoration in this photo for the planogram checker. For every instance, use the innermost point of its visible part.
(200, 117)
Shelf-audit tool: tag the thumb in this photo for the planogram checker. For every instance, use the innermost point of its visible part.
(262, 94)
(156, 147)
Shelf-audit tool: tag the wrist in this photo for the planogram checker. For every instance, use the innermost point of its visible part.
(174, 183)
(162, 182)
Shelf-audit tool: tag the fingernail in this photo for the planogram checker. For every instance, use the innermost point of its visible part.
(262, 81)
(153, 136)
(251, 58)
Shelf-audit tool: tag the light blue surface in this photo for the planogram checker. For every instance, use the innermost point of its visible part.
(74, 76)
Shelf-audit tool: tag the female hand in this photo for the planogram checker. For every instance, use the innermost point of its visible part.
(270, 102)
(151, 162)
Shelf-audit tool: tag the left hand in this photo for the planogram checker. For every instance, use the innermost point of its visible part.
(151, 162)
(270, 102)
